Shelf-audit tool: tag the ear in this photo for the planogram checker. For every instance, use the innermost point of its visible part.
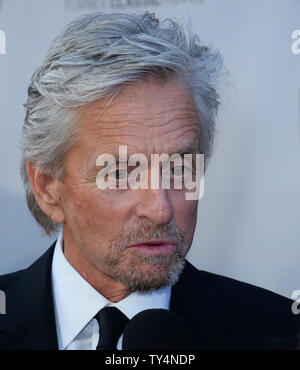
(46, 189)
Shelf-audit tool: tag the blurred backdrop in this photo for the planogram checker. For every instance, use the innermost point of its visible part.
(248, 221)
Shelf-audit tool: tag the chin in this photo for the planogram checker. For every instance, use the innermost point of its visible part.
(148, 273)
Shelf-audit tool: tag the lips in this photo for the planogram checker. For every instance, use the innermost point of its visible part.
(155, 246)
(152, 243)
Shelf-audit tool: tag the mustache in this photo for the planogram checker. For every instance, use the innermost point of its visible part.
(144, 232)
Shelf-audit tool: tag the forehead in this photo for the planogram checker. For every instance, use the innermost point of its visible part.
(148, 116)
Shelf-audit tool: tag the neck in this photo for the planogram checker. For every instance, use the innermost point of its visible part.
(110, 288)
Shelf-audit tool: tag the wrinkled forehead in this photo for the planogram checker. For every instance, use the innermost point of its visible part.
(147, 116)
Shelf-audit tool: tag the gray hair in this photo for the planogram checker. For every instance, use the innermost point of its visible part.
(94, 57)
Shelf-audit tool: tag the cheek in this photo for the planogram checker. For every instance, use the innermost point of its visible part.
(83, 207)
(92, 213)
(185, 213)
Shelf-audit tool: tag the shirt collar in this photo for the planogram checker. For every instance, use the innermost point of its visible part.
(76, 302)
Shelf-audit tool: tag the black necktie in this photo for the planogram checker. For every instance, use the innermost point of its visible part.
(112, 323)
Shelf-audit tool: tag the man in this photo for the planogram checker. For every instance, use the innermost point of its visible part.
(111, 81)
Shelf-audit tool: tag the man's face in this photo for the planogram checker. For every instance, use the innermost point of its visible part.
(148, 117)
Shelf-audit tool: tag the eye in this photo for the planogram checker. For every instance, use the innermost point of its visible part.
(177, 171)
(119, 174)
(180, 170)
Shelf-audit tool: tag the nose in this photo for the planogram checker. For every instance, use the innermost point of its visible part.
(155, 205)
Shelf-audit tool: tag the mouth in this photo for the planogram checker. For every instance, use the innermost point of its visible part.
(155, 246)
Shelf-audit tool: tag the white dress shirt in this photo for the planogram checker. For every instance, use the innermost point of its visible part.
(76, 303)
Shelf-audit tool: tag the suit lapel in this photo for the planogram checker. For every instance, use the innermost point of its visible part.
(30, 321)
(198, 301)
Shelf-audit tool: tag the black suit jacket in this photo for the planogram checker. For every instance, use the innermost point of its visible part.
(221, 312)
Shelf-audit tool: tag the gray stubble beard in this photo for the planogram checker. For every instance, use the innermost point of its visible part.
(147, 273)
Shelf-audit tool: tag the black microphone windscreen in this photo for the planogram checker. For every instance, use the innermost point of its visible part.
(156, 329)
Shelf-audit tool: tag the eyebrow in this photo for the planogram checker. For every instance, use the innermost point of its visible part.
(191, 148)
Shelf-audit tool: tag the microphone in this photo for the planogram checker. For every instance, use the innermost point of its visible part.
(156, 329)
